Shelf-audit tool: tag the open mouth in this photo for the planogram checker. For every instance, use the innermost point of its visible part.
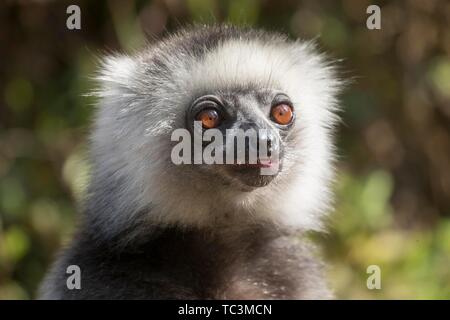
(257, 174)
(261, 163)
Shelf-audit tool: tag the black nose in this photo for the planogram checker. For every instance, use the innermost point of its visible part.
(265, 144)
(265, 141)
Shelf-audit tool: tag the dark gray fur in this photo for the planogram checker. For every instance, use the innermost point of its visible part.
(190, 264)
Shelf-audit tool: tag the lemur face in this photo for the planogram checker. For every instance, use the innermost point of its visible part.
(223, 78)
(254, 124)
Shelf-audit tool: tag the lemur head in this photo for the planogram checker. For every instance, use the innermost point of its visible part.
(224, 78)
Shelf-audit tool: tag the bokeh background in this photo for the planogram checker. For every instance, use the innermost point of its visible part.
(393, 187)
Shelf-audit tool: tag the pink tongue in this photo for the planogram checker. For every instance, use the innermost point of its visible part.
(265, 162)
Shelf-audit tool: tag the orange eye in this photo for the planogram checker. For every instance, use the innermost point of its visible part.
(209, 118)
(282, 114)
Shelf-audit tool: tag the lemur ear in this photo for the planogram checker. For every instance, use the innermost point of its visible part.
(116, 75)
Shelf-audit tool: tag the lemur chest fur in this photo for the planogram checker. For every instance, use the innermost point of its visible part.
(194, 264)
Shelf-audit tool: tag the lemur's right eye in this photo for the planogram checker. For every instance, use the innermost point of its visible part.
(209, 117)
(282, 114)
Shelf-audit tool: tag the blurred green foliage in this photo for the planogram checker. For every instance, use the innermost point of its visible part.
(414, 263)
(393, 186)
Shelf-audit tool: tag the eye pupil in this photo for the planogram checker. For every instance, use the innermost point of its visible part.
(282, 114)
(209, 118)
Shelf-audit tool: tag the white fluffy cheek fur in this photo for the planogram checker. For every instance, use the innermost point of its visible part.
(309, 166)
(300, 195)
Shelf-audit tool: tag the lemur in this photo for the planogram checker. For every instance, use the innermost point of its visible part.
(154, 229)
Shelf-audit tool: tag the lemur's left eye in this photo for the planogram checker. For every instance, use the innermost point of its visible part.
(282, 114)
(209, 117)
